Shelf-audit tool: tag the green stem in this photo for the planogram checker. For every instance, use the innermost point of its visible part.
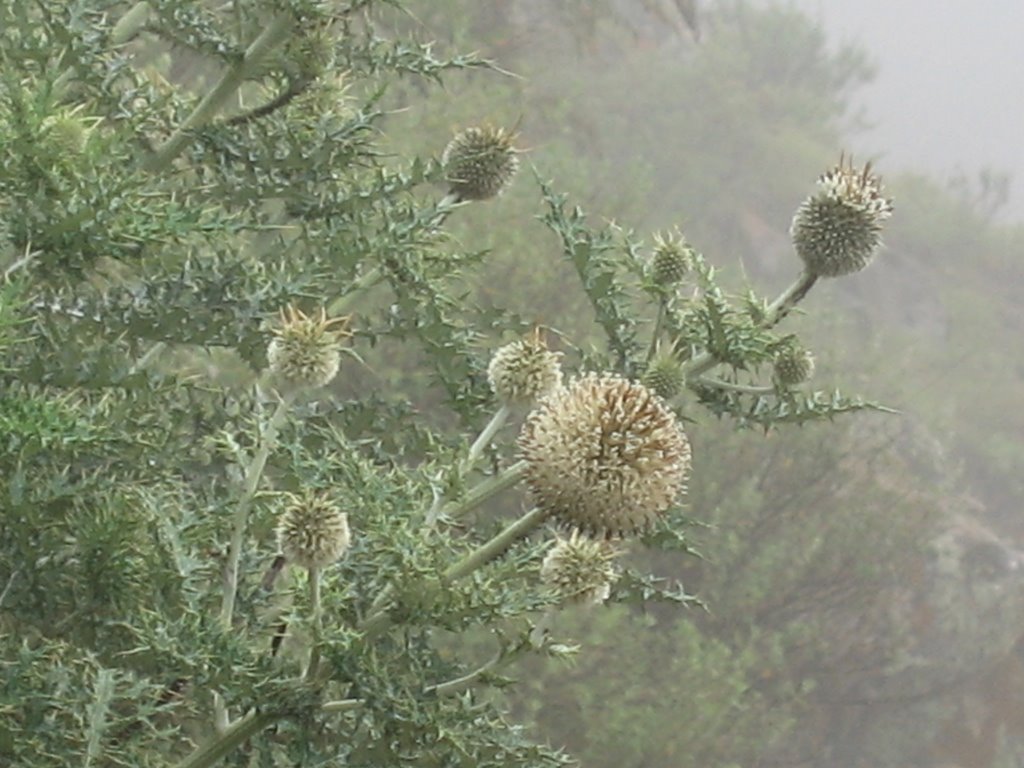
(365, 281)
(497, 545)
(459, 684)
(237, 734)
(744, 388)
(317, 616)
(485, 437)
(253, 473)
(776, 311)
(657, 330)
(275, 33)
(478, 494)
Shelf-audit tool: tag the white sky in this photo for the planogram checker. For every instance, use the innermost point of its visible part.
(949, 93)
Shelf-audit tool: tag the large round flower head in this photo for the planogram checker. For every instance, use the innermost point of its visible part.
(793, 365)
(312, 531)
(604, 455)
(664, 374)
(579, 569)
(524, 370)
(837, 230)
(480, 162)
(672, 260)
(306, 351)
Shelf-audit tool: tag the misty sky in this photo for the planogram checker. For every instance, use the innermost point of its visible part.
(949, 94)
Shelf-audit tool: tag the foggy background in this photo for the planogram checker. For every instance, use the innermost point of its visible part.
(946, 97)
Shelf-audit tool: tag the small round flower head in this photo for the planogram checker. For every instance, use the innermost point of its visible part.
(312, 531)
(66, 134)
(793, 365)
(305, 352)
(837, 230)
(604, 455)
(664, 375)
(672, 260)
(480, 162)
(579, 569)
(524, 370)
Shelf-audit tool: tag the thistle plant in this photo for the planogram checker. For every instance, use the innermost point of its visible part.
(152, 478)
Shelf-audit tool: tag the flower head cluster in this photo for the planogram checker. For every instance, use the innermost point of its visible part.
(793, 365)
(579, 569)
(604, 455)
(672, 260)
(480, 162)
(305, 352)
(837, 230)
(312, 531)
(524, 370)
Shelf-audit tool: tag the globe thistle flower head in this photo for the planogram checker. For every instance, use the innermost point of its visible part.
(524, 370)
(672, 260)
(793, 365)
(480, 162)
(312, 531)
(837, 230)
(305, 352)
(604, 455)
(664, 375)
(579, 569)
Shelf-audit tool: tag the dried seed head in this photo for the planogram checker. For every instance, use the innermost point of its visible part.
(664, 374)
(524, 370)
(837, 230)
(480, 162)
(305, 352)
(672, 260)
(604, 455)
(312, 531)
(793, 365)
(579, 569)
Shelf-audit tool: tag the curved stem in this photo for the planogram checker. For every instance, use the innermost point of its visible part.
(743, 388)
(497, 545)
(365, 281)
(274, 34)
(478, 494)
(253, 473)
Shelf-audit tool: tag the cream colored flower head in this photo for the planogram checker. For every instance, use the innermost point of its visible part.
(604, 455)
(838, 229)
(580, 569)
(305, 352)
(312, 531)
(524, 370)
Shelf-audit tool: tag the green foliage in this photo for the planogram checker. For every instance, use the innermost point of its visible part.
(172, 176)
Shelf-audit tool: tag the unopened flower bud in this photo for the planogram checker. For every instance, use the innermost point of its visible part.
(664, 375)
(793, 365)
(672, 260)
(579, 569)
(524, 370)
(312, 531)
(480, 162)
(305, 352)
(837, 230)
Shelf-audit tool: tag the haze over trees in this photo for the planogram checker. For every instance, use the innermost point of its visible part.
(445, 384)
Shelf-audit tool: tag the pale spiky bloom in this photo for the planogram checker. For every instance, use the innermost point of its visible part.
(672, 260)
(480, 162)
(793, 365)
(524, 370)
(837, 230)
(306, 350)
(579, 569)
(604, 455)
(664, 374)
(312, 531)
